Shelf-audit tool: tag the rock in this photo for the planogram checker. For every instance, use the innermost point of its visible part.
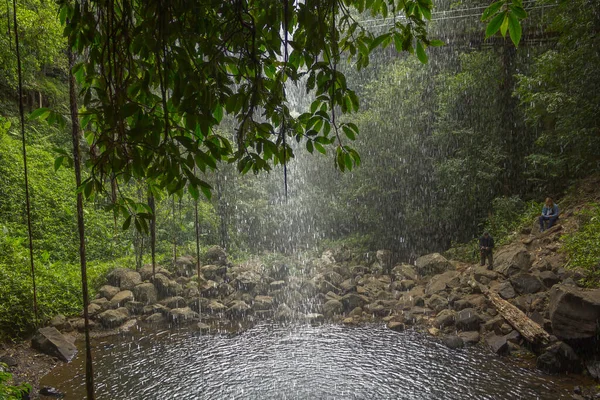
(396, 326)
(314, 318)
(145, 293)
(121, 298)
(202, 327)
(439, 283)
(453, 342)
(262, 303)
(50, 341)
(505, 290)
(173, 302)
(79, 324)
(471, 337)
(102, 302)
(444, 318)
(135, 307)
(437, 303)
(239, 309)
(404, 271)
(432, 264)
(559, 357)
(146, 272)
(216, 255)
(183, 315)
(166, 287)
(526, 283)
(497, 344)
(407, 284)
(511, 260)
(468, 320)
(377, 309)
(356, 312)
(49, 391)
(574, 312)
(332, 307)
(112, 318)
(549, 278)
(384, 257)
(215, 307)
(155, 308)
(352, 300)
(60, 322)
(277, 285)
(108, 291)
(214, 272)
(94, 309)
(348, 286)
(9, 361)
(185, 266)
(124, 278)
(484, 275)
(284, 313)
(156, 318)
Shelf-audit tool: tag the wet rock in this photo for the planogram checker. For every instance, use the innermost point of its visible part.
(314, 318)
(145, 293)
(377, 309)
(215, 307)
(574, 312)
(185, 266)
(60, 322)
(112, 318)
(277, 285)
(79, 324)
(166, 287)
(432, 264)
(441, 282)
(121, 298)
(146, 272)
(173, 302)
(156, 318)
(198, 303)
(155, 308)
(549, 278)
(216, 255)
(352, 300)
(404, 271)
(262, 303)
(102, 302)
(396, 326)
(209, 289)
(559, 357)
(108, 291)
(483, 275)
(50, 341)
(444, 318)
(468, 320)
(213, 272)
(49, 391)
(526, 283)
(470, 337)
(183, 315)
(511, 260)
(348, 286)
(126, 279)
(135, 307)
(9, 361)
(493, 325)
(238, 309)
(332, 307)
(498, 344)
(204, 328)
(356, 312)
(453, 342)
(505, 290)
(94, 309)
(437, 303)
(283, 313)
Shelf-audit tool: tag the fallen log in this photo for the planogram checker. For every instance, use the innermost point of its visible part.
(529, 329)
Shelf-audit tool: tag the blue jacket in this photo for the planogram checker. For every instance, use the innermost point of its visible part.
(550, 211)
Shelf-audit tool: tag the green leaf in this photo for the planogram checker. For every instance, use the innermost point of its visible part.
(494, 25)
(421, 53)
(504, 26)
(492, 10)
(127, 223)
(349, 132)
(436, 43)
(58, 161)
(514, 29)
(40, 113)
(320, 148)
(193, 191)
(519, 12)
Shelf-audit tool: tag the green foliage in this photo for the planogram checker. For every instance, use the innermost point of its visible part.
(8, 391)
(583, 245)
(503, 16)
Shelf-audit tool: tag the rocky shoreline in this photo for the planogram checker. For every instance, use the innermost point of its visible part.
(443, 297)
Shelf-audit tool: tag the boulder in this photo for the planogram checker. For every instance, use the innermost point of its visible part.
(155, 308)
(332, 307)
(384, 257)
(396, 326)
(439, 283)
(353, 300)
(50, 341)
(145, 293)
(404, 271)
(348, 286)
(108, 291)
(549, 278)
(213, 272)
(526, 283)
(216, 255)
(156, 318)
(79, 324)
(314, 318)
(468, 320)
(437, 303)
(511, 260)
(432, 264)
(166, 287)
(173, 302)
(284, 313)
(112, 318)
(124, 278)
(215, 307)
(559, 357)
(246, 281)
(498, 344)
(505, 290)
(453, 342)
(483, 275)
(444, 318)
(183, 315)
(239, 308)
(146, 272)
(60, 322)
(262, 303)
(185, 266)
(574, 312)
(135, 307)
(209, 289)
(277, 285)
(121, 298)
(470, 337)
(94, 309)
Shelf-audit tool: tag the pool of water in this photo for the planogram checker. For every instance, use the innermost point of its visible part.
(272, 361)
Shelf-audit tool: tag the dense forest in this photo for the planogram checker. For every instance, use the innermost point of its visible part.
(446, 148)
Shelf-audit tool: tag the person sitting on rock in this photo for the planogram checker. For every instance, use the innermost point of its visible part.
(486, 244)
(549, 214)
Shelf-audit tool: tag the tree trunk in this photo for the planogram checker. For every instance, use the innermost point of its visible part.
(152, 231)
(89, 372)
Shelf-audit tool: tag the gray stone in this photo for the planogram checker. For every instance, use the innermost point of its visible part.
(262, 303)
(146, 293)
(468, 320)
(484, 275)
(135, 307)
(432, 264)
(94, 309)
(441, 282)
(526, 283)
(314, 318)
(396, 326)
(156, 318)
(216, 255)
(146, 272)
(574, 312)
(559, 357)
(50, 341)
(183, 315)
(276, 285)
(112, 318)
(239, 308)
(284, 313)
(213, 272)
(470, 337)
(215, 307)
(444, 318)
(505, 290)
(173, 302)
(404, 271)
(453, 342)
(437, 303)
(332, 307)
(60, 322)
(108, 291)
(497, 344)
(511, 260)
(121, 298)
(549, 278)
(353, 300)
(124, 278)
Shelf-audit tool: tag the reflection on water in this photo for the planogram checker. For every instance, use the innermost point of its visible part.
(298, 362)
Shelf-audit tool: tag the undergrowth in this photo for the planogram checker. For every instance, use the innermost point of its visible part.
(583, 245)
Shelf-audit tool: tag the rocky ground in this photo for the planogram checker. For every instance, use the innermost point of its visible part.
(448, 299)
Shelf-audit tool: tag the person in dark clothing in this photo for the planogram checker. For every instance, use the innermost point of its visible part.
(549, 214)
(486, 244)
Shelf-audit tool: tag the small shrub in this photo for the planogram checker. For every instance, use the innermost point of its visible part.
(11, 392)
(583, 245)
